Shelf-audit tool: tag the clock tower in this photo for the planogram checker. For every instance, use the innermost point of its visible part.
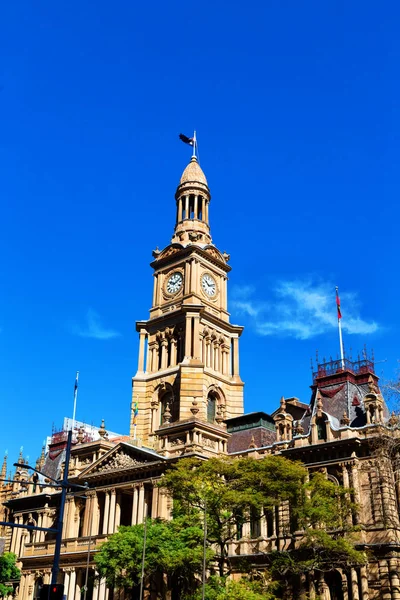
(188, 379)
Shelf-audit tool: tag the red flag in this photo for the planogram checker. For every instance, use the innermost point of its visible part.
(339, 312)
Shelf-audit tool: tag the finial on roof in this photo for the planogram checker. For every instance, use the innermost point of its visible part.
(81, 435)
(21, 458)
(102, 431)
(283, 404)
(4, 466)
(345, 419)
(41, 459)
(371, 385)
(193, 173)
(394, 419)
(320, 406)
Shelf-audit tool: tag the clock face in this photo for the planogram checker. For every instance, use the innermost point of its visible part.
(208, 284)
(174, 283)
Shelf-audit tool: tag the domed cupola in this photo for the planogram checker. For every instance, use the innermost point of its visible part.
(192, 201)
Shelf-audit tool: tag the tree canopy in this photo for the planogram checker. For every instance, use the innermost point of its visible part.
(234, 491)
(173, 548)
(8, 572)
(227, 493)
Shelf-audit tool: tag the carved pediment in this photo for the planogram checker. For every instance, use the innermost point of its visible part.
(214, 253)
(120, 458)
(120, 461)
(169, 251)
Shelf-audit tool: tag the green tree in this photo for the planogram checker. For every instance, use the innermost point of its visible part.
(8, 572)
(327, 538)
(232, 491)
(173, 548)
(219, 588)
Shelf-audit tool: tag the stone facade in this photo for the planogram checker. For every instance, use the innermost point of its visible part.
(189, 397)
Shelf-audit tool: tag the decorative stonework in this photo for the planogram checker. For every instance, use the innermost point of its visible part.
(209, 443)
(120, 461)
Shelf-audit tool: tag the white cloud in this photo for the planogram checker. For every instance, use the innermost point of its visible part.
(93, 328)
(301, 309)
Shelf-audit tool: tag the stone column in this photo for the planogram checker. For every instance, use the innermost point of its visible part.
(72, 585)
(154, 503)
(142, 339)
(22, 585)
(173, 352)
(96, 588)
(235, 356)
(18, 535)
(87, 515)
(164, 353)
(14, 535)
(112, 512)
(106, 511)
(102, 589)
(196, 205)
(118, 512)
(157, 289)
(196, 335)
(394, 578)
(95, 515)
(356, 486)
(302, 590)
(154, 290)
(364, 583)
(188, 337)
(66, 582)
(206, 202)
(134, 506)
(263, 526)
(384, 578)
(141, 504)
(354, 584)
(216, 356)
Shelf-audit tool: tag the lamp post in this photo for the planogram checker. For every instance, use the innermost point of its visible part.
(64, 484)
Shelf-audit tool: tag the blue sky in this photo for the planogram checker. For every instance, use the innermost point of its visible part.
(297, 111)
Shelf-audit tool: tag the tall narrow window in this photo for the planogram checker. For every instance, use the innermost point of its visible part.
(167, 400)
(211, 407)
(321, 429)
(191, 208)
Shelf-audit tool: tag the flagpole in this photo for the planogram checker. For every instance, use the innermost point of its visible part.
(340, 327)
(194, 145)
(135, 414)
(75, 399)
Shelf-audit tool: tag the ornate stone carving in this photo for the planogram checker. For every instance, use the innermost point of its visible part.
(177, 441)
(209, 443)
(120, 461)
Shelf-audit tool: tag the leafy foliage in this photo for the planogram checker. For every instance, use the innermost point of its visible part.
(230, 490)
(218, 588)
(172, 547)
(233, 489)
(8, 572)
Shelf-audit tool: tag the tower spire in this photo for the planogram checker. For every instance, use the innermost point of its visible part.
(192, 202)
(4, 466)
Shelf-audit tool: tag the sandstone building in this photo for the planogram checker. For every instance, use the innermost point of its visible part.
(189, 396)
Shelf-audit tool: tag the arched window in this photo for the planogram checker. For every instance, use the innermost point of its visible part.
(37, 588)
(321, 428)
(211, 407)
(169, 409)
(81, 521)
